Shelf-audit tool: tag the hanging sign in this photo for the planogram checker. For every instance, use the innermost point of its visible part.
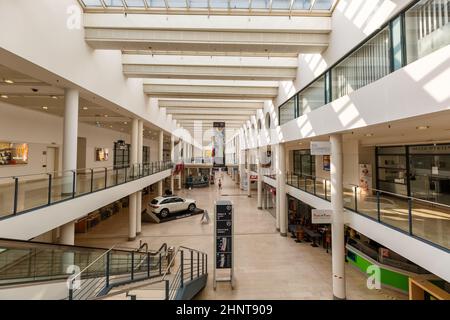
(320, 216)
(320, 148)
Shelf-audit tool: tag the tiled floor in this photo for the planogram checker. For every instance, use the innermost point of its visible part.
(268, 266)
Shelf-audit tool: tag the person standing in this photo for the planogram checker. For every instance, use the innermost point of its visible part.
(220, 184)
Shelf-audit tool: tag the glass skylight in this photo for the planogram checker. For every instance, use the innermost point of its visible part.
(260, 5)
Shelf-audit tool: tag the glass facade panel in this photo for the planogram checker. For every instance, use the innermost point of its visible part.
(304, 163)
(92, 3)
(302, 5)
(288, 110)
(312, 97)
(156, 3)
(113, 3)
(397, 44)
(427, 28)
(367, 64)
(135, 3)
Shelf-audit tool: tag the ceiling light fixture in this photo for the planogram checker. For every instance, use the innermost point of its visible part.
(85, 108)
(45, 108)
(54, 97)
(422, 127)
(106, 116)
(369, 134)
(4, 96)
(126, 123)
(9, 81)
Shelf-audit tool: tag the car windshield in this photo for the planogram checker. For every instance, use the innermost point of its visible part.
(154, 201)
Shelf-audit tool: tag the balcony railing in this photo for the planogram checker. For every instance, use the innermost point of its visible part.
(422, 219)
(20, 194)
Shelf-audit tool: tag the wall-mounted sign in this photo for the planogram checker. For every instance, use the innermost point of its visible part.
(13, 153)
(101, 154)
(320, 148)
(319, 216)
(326, 163)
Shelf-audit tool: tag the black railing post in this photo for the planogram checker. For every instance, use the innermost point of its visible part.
(325, 188)
(182, 269)
(314, 187)
(206, 263)
(203, 263)
(192, 265)
(160, 263)
(132, 265)
(71, 293)
(125, 174)
(74, 179)
(410, 218)
(198, 264)
(378, 207)
(355, 190)
(148, 264)
(92, 180)
(106, 177)
(152, 168)
(167, 289)
(107, 268)
(132, 172)
(117, 176)
(49, 199)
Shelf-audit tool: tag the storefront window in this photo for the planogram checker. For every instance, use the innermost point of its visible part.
(304, 163)
(427, 28)
(426, 175)
(121, 155)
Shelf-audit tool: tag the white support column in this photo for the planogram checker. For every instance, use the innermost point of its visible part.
(160, 158)
(132, 199)
(70, 139)
(337, 226)
(259, 183)
(249, 185)
(277, 195)
(172, 158)
(282, 189)
(139, 161)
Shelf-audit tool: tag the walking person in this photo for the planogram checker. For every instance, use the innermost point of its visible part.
(205, 217)
(220, 184)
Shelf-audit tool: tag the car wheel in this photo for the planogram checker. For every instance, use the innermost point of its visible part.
(191, 207)
(164, 213)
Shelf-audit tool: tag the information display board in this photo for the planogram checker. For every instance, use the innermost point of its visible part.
(223, 239)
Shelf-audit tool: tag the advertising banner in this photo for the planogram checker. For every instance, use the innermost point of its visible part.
(218, 144)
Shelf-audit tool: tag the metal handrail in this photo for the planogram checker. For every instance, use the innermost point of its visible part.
(92, 263)
(81, 169)
(163, 278)
(378, 190)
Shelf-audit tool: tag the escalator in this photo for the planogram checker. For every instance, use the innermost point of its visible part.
(74, 272)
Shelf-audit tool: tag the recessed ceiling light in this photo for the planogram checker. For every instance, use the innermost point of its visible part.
(110, 126)
(9, 81)
(85, 108)
(422, 127)
(45, 108)
(126, 123)
(106, 116)
(369, 134)
(4, 96)
(54, 97)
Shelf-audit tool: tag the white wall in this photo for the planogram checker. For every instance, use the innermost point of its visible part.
(41, 130)
(41, 37)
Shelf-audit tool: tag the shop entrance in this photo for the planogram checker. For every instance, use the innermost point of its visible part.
(430, 177)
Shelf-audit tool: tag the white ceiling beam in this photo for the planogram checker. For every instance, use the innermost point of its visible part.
(211, 117)
(260, 24)
(236, 110)
(220, 104)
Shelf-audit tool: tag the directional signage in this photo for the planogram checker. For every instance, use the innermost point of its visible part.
(224, 234)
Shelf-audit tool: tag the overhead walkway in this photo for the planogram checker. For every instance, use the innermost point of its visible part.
(403, 224)
(34, 204)
(31, 270)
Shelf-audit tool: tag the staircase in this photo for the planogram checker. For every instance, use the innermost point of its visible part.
(110, 274)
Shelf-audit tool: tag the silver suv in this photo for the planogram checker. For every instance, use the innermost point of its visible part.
(165, 205)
